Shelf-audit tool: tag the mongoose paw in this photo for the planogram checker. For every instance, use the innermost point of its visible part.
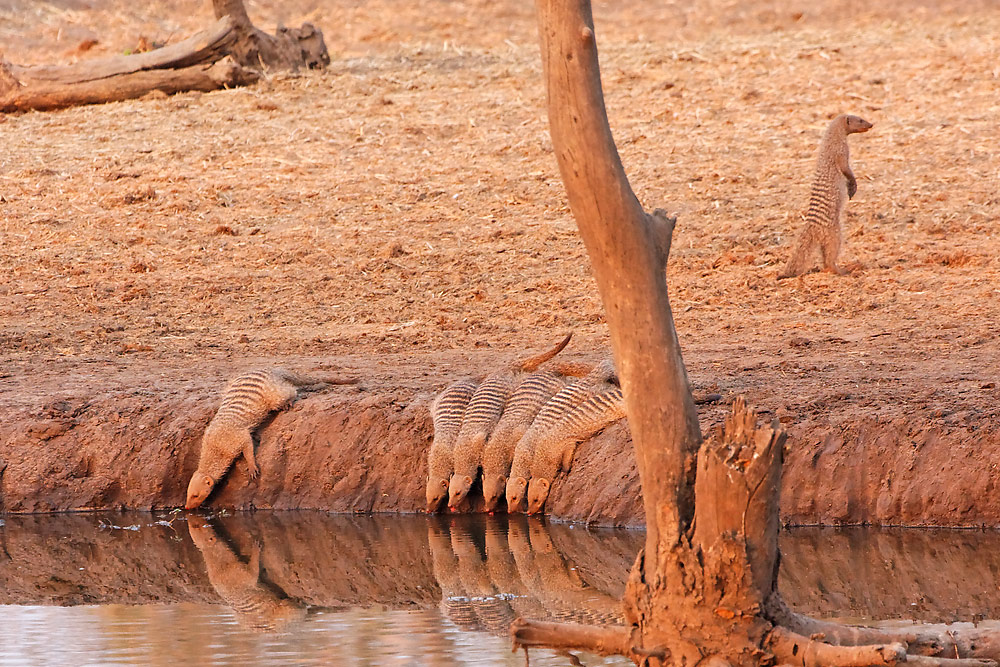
(254, 472)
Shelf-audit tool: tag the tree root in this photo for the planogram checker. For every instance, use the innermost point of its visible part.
(930, 661)
(794, 649)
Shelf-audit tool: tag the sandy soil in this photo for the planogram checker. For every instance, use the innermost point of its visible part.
(400, 214)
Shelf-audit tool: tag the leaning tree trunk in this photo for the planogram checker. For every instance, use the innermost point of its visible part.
(703, 591)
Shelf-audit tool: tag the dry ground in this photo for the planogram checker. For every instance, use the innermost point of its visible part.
(403, 208)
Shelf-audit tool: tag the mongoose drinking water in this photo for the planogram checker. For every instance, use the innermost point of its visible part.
(548, 417)
(528, 398)
(447, 411)
(248, 399)
(481, 417)
(833, 185)
(555, 444)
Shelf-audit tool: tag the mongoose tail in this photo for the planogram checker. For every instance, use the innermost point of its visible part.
(447, 412)
(833, 184)
(532, 364)
(555, 447)
(318, 381)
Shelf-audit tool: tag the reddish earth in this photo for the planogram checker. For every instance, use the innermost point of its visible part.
(399, 216)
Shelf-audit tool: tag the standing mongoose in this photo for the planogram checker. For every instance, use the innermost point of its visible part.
(554, 444)
(548, 417)
(447, 411)
(833, 184)
(248, 399)
(481, 417)
(528, 398)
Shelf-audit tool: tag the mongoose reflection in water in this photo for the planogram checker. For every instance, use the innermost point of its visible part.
(482, 415)
(257, 606)
(248, 400)
(447, 411)
(549, 417)
(833, 185)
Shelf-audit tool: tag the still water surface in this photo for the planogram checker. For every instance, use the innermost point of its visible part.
(296, 588)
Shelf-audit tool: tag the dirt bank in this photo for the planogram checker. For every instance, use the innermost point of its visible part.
(364, 450)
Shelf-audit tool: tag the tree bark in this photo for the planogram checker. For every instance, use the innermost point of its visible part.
(701, 590)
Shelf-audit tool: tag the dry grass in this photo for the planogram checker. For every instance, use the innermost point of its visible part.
(406, 200)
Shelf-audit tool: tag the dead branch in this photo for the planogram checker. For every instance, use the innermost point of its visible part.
(222, 74)
(230, 53)
(929, 661)
(561, 636)
(795, 649)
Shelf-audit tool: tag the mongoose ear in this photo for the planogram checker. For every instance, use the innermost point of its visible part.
(444, 484)
(544, 483)
(206, 480)
(521, 480)
(468, 480)
(502, 479)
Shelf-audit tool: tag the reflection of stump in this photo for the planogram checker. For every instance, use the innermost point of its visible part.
(230, 53)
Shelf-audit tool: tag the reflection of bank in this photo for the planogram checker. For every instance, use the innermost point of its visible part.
(259, 606)
(491, 572)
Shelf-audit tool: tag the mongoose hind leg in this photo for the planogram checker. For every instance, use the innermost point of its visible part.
(831, 250)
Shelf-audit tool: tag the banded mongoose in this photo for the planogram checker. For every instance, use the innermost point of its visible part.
(555, 444)
(568, 398)
(482, 415)
(833, 184)
(257, 606)
(447, 411)
(528, 398)
(248, 400)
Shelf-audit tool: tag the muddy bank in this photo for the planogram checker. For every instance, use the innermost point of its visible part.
(350, 450)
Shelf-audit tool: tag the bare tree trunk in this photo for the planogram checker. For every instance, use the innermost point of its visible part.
(703, 590)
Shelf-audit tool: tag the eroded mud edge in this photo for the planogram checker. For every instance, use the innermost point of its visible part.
(351, 451)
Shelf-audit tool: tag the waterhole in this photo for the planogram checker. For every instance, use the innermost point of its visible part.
(294, 588)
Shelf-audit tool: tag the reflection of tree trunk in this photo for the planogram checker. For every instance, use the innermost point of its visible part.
(230, 53)
(701, 591)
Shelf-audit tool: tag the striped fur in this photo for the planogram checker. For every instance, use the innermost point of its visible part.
(555, 445)
(528, 398)
(549, 417)
(833, 184)
(447, 412)
(247, 401)
(257, 606)
(481, 417)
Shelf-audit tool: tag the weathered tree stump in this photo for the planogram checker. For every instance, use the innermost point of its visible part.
(230, 53)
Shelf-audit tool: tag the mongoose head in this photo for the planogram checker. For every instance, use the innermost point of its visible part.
(494, 486)
(458, 490)
(538, 493)
(857, 124)
(437, 491)
(517, 491)
(198, 489)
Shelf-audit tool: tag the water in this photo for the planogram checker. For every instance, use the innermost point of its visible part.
(309, 588)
